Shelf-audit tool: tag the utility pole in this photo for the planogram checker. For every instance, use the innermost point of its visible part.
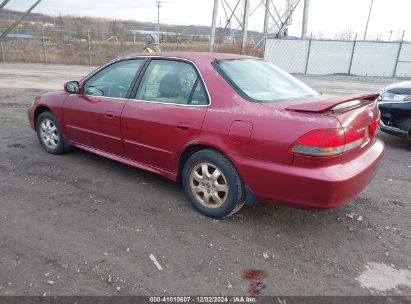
(17, 22)
(305, 19)
(158, 19)
(266, 19)
(46, 60)
(368, 20)
(3, 4)
(213, 25)
(61, 28)
(245, 25)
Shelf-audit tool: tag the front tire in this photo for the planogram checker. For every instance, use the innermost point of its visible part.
(49, 134)
(213, 184)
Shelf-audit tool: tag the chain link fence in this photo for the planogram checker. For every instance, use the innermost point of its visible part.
(86, 47)
(95, 48)
(323, 57)
(312, 56)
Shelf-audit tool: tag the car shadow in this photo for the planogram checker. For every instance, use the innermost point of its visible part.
(120, 168)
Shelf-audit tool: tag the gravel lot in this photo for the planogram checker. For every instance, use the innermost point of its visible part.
(80, 224)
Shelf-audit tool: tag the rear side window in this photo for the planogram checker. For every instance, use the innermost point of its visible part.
(199, 95)
(171, 81)
(260, 81)
(114, 80)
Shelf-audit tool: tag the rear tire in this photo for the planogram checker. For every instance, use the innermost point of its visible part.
(213, 184)
(49, 134)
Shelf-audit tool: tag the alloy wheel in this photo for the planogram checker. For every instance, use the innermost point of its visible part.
(49, 133)
(208, 185)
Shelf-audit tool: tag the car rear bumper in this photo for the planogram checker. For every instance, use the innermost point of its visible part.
(320, 188)
(393, 130)
(395, 118)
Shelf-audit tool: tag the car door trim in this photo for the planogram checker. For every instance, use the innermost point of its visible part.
(94, 132)
(147, 146)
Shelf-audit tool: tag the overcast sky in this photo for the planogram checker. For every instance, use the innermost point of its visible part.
(328, 17)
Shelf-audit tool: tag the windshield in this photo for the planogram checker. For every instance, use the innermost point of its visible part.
(261, 81)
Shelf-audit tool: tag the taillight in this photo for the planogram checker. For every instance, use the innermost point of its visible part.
(329, 142)
(373, 127)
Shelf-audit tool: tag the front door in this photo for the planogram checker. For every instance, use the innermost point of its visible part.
(93, 117)
(166, 113)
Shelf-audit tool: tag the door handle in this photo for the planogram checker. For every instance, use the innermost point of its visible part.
(109, 115)
(183, 126)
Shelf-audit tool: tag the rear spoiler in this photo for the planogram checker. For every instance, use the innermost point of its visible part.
(324, 103)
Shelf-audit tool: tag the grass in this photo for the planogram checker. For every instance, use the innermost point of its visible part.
(77, 51)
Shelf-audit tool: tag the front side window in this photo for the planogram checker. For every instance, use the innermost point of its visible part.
(114, 80)
(261, 81)
(171, 81)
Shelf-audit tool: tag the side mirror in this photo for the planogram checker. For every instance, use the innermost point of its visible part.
(72, 87)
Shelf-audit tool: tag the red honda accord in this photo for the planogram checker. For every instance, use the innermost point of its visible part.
(233, 129)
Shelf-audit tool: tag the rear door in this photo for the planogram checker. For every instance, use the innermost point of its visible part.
(166, 112)
(93, 117)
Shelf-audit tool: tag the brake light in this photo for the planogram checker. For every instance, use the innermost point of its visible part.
(329, 142)
(373, 127)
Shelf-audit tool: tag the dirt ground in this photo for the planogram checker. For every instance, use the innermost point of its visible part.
(80, 224)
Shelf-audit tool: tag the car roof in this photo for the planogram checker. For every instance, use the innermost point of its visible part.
(199, 58)
(193, 56)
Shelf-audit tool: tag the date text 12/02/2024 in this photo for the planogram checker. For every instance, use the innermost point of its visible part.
(203, 299)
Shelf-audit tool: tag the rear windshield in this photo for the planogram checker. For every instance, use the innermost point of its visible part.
(260, 81)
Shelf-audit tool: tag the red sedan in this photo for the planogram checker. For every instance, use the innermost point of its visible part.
(233, 129)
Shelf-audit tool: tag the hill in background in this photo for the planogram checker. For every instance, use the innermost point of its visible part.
(113, 26)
